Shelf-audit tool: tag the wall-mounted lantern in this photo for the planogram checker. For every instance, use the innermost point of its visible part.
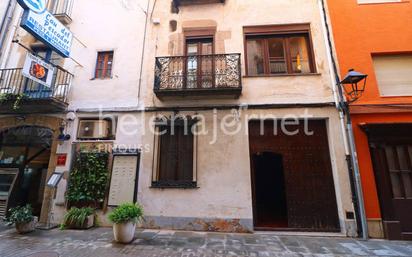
(354, 84)
(62, 137)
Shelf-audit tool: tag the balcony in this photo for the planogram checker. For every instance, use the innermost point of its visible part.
(217, 75)
(19, 94)
(62, 10)
(178, 3)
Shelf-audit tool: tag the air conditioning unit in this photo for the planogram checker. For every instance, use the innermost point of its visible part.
(94, 129)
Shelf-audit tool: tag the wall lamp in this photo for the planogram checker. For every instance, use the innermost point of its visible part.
(354, 84)
(62, 137)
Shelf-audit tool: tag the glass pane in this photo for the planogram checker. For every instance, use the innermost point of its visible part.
(396, 185)
(407, 184)
(5, 184)
(277, 56)
(255, 57)
(390, 158)
(206, 71)
(192, 49)
(403, 163)
(191, 72)
(299, 54)
(207, 48)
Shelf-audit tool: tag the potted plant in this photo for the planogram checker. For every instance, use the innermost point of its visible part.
(79, 218)
(23, 219)
(124, 219)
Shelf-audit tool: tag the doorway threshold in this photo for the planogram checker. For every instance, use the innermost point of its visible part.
(299, 233)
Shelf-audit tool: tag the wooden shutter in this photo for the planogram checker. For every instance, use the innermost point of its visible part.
(176, 155)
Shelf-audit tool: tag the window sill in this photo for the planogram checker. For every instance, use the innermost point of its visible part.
(282, 75)
(174, 185)
(108, 78)
(388, 2)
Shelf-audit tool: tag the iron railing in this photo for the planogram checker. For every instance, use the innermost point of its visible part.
(12, 82)
(61, 7)
(199, 72)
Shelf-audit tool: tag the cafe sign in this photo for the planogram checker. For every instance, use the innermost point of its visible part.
(45, 27)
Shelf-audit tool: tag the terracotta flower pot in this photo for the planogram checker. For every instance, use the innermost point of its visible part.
(124, 232)
(24, 228)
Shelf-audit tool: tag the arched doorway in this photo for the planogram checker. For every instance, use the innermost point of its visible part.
(24, 160)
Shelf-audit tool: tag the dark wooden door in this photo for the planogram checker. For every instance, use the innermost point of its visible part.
(391, 153)
(310, 192)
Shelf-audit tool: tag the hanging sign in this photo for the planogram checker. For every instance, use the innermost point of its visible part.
(45, 27)
(37, 6)
(38, 70)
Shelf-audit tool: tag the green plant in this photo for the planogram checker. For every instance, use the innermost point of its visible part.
(76, 216)
(17, 98)
(128, 212)
(88, 179)
(19, 215)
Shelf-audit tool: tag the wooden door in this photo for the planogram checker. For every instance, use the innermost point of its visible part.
(310, 193)
(391, 153)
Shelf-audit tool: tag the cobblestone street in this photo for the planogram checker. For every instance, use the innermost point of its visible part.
(153, 243)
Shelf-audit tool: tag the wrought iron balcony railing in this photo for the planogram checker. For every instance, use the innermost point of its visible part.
(35, 97)
(62, 9)
(218, 74)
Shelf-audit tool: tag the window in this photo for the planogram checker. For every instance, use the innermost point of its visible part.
(274, 50)
(176, 160)
(104, 65)
(394, 74)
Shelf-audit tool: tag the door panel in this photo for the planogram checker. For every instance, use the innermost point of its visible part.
(393, 173)
(310, 193)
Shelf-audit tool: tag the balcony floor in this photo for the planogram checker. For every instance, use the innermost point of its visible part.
(200, 92)
(31, 106)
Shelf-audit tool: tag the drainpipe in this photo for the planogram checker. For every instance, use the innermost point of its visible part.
(347, 132)
(5, 23)
(143, 49)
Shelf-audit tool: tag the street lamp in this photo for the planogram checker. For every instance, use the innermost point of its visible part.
(354, 84)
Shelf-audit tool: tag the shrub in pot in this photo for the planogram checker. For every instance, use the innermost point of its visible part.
(23, 219)
(124, 219)
(79, 218)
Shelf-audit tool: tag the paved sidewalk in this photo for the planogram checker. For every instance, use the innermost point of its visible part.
(153, 243)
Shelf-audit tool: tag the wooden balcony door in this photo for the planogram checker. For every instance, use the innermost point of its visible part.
(199, 64)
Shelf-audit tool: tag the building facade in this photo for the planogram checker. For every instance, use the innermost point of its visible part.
(215, 116)
(240, 70)
(379, 46)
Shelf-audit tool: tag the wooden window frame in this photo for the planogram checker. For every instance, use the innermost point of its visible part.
(156, 183)
(279, 31)
(105, 68)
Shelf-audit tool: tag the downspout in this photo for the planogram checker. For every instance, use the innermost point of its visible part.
(347, 132)
(5, 24)
(143, 51)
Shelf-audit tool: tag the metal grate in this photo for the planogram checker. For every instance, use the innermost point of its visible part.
(3, 208)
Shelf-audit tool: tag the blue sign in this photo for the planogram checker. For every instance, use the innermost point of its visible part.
(37, 6)
(46, 28)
